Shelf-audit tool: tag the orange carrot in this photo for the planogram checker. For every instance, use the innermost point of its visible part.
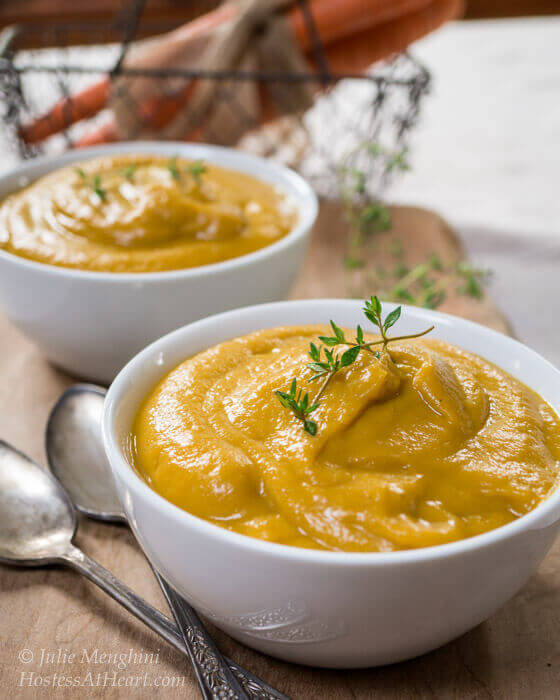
(106, 133)
(351, 55)
(156, 112)
(334, 19)
(69, 110)
(357, 53)
(338, 19)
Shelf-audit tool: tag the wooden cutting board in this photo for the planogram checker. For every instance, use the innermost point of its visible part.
(52, 613)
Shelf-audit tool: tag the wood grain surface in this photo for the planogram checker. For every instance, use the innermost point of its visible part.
(515, 654)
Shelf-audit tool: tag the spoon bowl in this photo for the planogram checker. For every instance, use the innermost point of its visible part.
(37, 520)
(76, 455)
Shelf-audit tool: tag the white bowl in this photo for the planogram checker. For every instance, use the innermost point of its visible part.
(92, 323)
(315, 607)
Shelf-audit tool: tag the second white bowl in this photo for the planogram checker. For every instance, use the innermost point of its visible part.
(92, 323)
(336, 609)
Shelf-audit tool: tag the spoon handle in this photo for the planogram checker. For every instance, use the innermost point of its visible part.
(216, 676)
(215, 680)
(254, 687)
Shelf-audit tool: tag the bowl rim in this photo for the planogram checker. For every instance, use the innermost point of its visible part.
(290, 182)
(545, 514)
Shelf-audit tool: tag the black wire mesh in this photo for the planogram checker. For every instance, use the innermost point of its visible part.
(350, 113)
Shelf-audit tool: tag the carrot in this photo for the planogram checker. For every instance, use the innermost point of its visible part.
(106, 133)
(351, 55)
(334, 19)
(156, 112)
(69, 110)
(357, 53)
(338, 19)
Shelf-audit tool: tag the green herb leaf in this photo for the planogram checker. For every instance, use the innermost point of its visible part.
(328, 340)
(434, 299)
(400, 271)
(434, 262)
(338, 332)
(94, 182)
(351, 263)
(375, 304)
(398, 161)
(129, 171)
(349, 356)
(173, 169)
(310, 427)
(359, 180)
(96, 186)
(378, 214)
(392, 318)
(196, 169)
(314, 352)
(375, 149)
(300, 405)
(403, 294)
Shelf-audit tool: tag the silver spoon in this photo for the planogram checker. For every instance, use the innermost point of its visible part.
(77, 458)
(37, 525)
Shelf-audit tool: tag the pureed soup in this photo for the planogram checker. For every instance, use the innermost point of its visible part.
(142, 214)
(418, 444)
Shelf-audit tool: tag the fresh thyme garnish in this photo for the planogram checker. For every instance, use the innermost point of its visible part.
(424, 284)
(96, 187)
(129, 171)
(473, 280)
(332, 363)
(196, 169)
(173, 169)
(325, 363)
(94, 182)
(352, 263)
(364, 215)
(298, 402)
(398, 161)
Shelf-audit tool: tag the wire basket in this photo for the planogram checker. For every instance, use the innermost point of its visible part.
(356, 124)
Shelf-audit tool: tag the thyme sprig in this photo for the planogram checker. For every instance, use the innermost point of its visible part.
(369, 218)
(94, 182)
(128, 172)
(173, 169)
(299, 403)
(325, 362)
(332, 363)
(196, 169)
(366, 216)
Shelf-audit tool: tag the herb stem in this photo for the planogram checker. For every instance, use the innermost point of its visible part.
(385, 340)
(323, 386)
(414, 275)
(437, 287)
